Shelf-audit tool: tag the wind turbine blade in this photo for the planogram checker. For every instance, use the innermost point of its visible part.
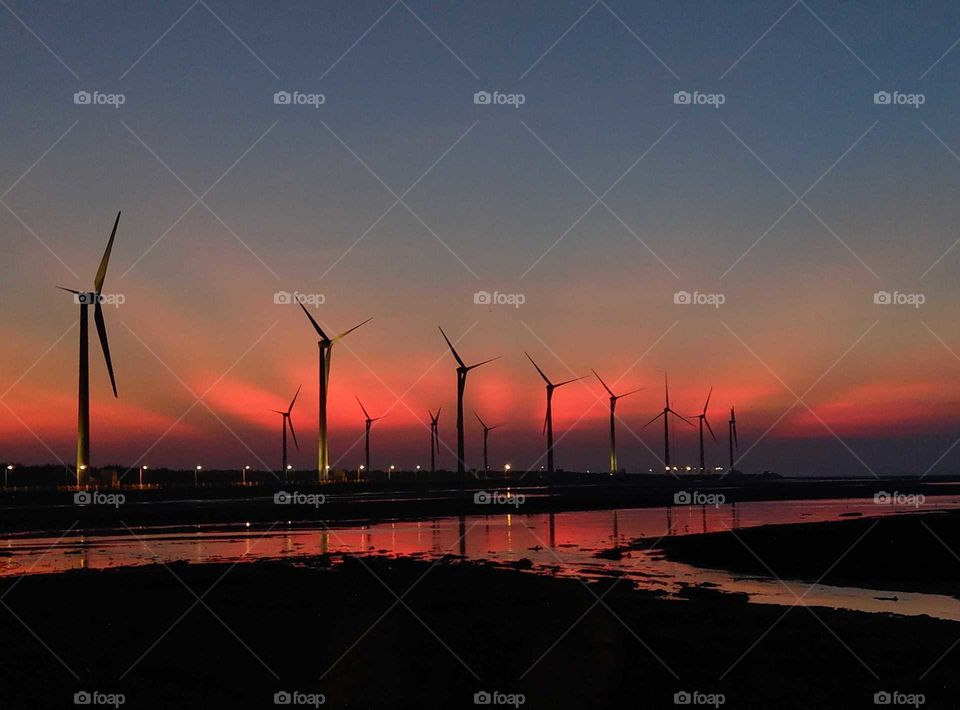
(294, 400)
(652, 421)
(538, 368)
(479, 419)
(736, 442)
(376, 419)
(603, 383)
(362, 407)
(68, 290)
(707, 403)
(452, 349)
(316, 326)
(544, 430)
(277, 411)
(495, 426)
(484, 362)
(567, 382)
(102, 271)
(102, 332)
(347, 332)
(666, 390)
(627, 394)
(681, 417)
(710, 429)
(295, 442)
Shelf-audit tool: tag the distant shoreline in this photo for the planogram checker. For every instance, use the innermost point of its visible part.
(25, 511)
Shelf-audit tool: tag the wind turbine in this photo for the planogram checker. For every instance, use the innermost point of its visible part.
(366, 443)
(434, 438)
(548, 419)
(84, 299)
(288, 420)
(667, 411)
(614, 467)
(486, 433)
(325, 346)
(732, 434)
(702, 416)
(462, 370)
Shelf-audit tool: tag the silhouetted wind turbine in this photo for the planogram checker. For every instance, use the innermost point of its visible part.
(84, 299)
(366, 443)
(667, 411)
(613, 430)
(702, 416)
(434, 438)
(486, 433)
(325, 346)
(732, 434)
(288, 420)
(548, 419)
(462, 370)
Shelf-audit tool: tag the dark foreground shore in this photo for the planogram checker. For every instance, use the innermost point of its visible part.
(911, 553)
(335, 627)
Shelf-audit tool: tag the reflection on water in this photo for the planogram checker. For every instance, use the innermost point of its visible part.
(560, 544)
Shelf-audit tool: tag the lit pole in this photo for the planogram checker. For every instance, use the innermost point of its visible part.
(196, 476)
(6, 472)
(244, 474)
(142, 469)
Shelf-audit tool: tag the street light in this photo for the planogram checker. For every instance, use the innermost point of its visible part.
(142, 469)
(390, 472)
(82, 468)
(286, 473)
(245, 469)
(506, 468)
(6, 472)
(196, 473)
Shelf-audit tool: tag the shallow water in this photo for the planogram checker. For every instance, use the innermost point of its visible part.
(559, 544)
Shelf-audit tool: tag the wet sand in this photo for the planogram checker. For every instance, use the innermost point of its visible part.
(333, 626)
(912, 553)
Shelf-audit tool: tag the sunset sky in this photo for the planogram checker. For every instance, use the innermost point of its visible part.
(494, 198)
